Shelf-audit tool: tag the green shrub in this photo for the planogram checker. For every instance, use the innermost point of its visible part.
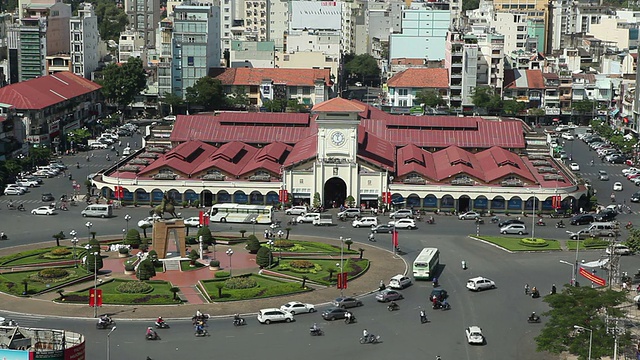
(240, 283)
(534, 242)
(123, 250)
(132, 238)
(253, 245)
(594, 242)
(205, 232)
(301, 264)
(222, 274)
(60, 252)
(264, 257)
(134, 287)
(283, 244)
(129, 265)
(52, 273)
(146, 270)
(214, 263)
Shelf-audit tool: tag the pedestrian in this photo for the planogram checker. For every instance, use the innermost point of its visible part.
(625, 286)
(553, 289)
(526, 289)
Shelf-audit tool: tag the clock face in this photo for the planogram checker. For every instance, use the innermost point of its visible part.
(338, 138)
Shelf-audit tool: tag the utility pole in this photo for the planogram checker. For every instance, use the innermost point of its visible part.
(615, 330)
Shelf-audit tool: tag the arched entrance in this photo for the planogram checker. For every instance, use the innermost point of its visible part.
(335, 192)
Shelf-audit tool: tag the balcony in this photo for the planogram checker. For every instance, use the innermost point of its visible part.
(265, 178)
(415, 180)
(552, 111)
(213, 177)
(512, 183)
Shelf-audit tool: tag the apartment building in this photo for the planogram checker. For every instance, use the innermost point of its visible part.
(144, 16)
(85, 40)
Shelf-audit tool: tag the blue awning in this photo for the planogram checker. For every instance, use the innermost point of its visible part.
(615, 112)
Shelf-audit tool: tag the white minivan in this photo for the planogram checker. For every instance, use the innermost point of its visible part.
(519, 229)
(98, 210)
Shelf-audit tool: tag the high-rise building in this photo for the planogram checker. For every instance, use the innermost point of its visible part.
(163, 49)
(27, 49)
(144, 16)
(255, 20)
(424, 31)
(85, 39)
(196, 44)
(461, 59)
(279, 23)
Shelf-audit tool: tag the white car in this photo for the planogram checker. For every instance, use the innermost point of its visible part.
(567, 136)
(267, 316)
(15, 186)
(148, 221)
(630, 170)
(43, 210)
(307, 218)
(367, 221)
(404, 224)
(43, 173)
(12, 191)
(619, 249)
(480, 283)
(27, 183)
(402, 213)
(296, 210)
(469, 215)
(192, 221)
(574, 167)
(617, 186)
(98, 145)
(474, 335)
(296, 307)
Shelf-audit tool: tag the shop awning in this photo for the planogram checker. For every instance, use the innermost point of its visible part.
(369, 196)
(615, 112)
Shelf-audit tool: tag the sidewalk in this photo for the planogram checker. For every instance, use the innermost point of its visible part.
(383, 266)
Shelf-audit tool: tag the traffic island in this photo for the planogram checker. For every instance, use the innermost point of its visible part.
(521, 244)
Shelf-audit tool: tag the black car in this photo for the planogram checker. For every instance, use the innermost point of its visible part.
(48, 197)
(606, 215)
(439, 294)
(617, 159)
(582, 219)
(635, 197)
(509, 222)
(334, 314)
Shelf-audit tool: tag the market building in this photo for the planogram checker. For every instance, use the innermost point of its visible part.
(347, 149)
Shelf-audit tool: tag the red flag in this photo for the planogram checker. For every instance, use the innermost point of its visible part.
(344, 280)
(394, 238)
(92, 298)
(98, 297)
(591, 277)
(206, 219)
(201, 218)
(339, 280)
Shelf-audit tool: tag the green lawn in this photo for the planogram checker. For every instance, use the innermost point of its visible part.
(266, 287)
(39, 256)
(514, 244)
(312, 247)
(11, 283)
(185, 265)
(353, 266)
(159, 296)
(571, 245)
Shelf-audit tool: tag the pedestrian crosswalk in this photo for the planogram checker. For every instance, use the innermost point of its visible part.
(23, 319)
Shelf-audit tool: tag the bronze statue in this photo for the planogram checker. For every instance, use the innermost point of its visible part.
(166, 206)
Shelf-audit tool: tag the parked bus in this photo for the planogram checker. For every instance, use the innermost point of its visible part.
(240, 213)
(426, 264)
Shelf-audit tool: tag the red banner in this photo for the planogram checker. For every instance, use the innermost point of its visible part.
(591, 277)
(99, 297)
(394, 238)
(342, 280)
(283, 196)
(556, 202)
(118, 192)
(386, 197)
(95, 297)
(201, 218)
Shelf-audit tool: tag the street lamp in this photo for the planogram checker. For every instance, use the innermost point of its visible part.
(533, 216)
(89, 225)
(229, 253)
(270, 244)
(95, 283)
(573, 272)
(280, 234)
(108, 343)
(578, 327)
(74, 241)
(342, 240)
(253, 223)
(127, 218)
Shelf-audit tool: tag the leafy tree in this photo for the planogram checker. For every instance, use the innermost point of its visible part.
(112, 20)
(153, 256)
(484, 97)
(92, 260)
(430, 98)
(133, 238)
(288, 230)
(304, 281)
(9, 7)
(633, 241)
(470, 4)
(193, 256)
(264, 257)
(582, 306)
(361, 250)
(25, 282)
(331, 270)
(275, 105)
(536, 113)
(351, 201)
(512, 107)
(146, 270)
(59, 236)
(173, 101)
(294, 106)
(205, 232)
(208, 93)
(79, 135)
(121, 83)
(584, 107)
(362, 67)
(219, 285)
(242, 232)
(253, 245)
(239, 99)
(316, 200)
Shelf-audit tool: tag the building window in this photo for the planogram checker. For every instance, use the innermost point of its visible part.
(368, 182)
(301, 181)
(403, 92)
(189, 60)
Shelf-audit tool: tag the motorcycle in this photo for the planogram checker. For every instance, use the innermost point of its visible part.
(431, 221)
(316, 332)
(533, 320)
(393, 307)
(162, 325)
(535, 294)
(479, 221)
(350, 320)
(540, 223)
(560, 225)
(105, 324)
(370, 339)
(441, 306)
(3, 236)
(495, 220)
(200, 333)
(628, 226)
(152, 336)
(21, 208)
(239, 322)
(423, 318)
(11, 207)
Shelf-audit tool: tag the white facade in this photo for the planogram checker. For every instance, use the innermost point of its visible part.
(85, 40)
(613, 29)
(278, 22)
(353, 22)
(131, 44)
(316, 15)
(226, 23)
(327, 42)
(514, 29)
(256, 20)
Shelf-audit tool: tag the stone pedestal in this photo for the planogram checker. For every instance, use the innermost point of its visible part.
(160, 237)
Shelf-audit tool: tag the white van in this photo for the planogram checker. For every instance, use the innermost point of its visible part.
(399, 282)
(323, 219)
(126, 151)
(602, 229)
(98, 210)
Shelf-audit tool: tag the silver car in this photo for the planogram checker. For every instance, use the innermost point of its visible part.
(603, 176)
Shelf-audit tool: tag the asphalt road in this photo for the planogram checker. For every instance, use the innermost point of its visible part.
(500, 313)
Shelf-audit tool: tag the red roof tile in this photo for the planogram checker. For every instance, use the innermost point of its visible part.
(256, 76)
(452, 161)
(233, 118)
(376, 150)
(46, 91)
(498, 163)
(523, 79)
(184, 158)
(270, 158)
(412, 159)
(303, 150)
(338, 105)
(407, 61)
(230, 158)
(421, 78)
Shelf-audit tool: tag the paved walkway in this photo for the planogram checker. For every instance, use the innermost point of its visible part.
(383, 266)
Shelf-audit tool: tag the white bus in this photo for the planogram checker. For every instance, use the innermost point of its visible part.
(426, 264)
(240, 213)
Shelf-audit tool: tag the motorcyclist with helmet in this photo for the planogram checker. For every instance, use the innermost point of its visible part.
(151, 335)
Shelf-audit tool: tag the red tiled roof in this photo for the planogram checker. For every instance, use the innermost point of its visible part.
(453, 161)
(185, 157)
(375, 150)
(230, 158)
(407, 61)
(42, 92)
(270, 157)
(232, 118)
(523, 79)
(412, 159)
(550, 76)
(498, 163)
(421, 78)
(256, 76)
(338, 105)
(303, 150)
